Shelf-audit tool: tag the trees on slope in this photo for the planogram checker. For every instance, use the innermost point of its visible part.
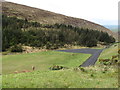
(19, 31)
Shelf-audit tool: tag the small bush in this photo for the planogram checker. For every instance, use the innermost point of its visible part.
(76, 69)
(115, 56)
(92, 75)
(56, 67)
(16, 48)
(119, 50)
(104, 60)
(107, 63)
(83, 69)
(113, 61)
(5, 53)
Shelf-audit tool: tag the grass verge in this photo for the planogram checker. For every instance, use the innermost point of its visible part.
(107, 53)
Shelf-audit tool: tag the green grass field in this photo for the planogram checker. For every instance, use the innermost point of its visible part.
(91, 77)
(42, 60)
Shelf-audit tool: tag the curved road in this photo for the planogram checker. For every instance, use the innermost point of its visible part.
(91, 60)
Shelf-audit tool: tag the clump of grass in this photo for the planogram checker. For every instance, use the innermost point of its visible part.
(105, 70)
(76, 69)
(83, 69)
(92, 75)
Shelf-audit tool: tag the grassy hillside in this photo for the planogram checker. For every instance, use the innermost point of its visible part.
(109, 52)
(41, 60)
(47, 17)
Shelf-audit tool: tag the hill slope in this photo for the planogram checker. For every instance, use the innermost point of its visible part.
(47, 17)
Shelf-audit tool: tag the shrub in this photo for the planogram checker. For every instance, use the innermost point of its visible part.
(5, 53)
(113, 61)
(83, 69)
(119, 51)
(115, 56)
(92, 75)
(56, 67)
(105, 61)
(16, 48)
(48, 45)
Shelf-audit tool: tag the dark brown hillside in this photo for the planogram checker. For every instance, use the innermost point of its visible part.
(47, 17)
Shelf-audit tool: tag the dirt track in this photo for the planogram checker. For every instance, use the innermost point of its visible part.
(91, 60)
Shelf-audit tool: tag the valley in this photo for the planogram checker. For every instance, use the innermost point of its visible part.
(43, 49)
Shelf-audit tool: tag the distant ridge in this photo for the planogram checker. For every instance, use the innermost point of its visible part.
(111, 27)
(47, 17)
